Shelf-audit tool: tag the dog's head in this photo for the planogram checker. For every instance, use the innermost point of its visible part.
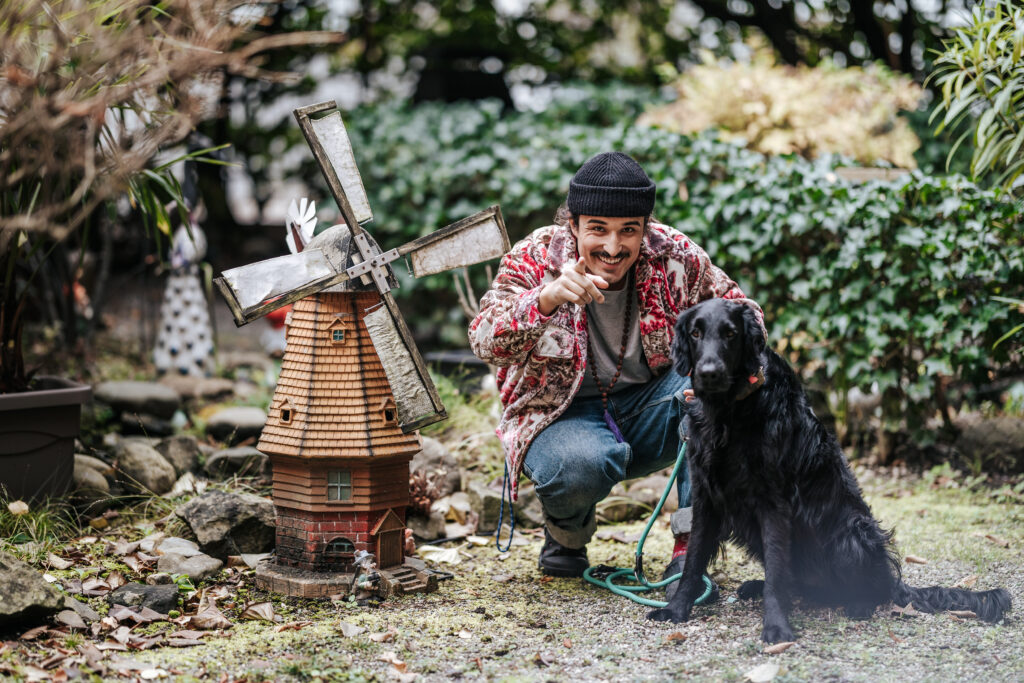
(720, 344)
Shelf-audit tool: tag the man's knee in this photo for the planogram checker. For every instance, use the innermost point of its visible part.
(574, 483)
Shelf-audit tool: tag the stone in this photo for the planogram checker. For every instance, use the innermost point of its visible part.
(145, 424)
(435, 458)
(177, 546)
(190, 386)
(91, 490)
(426, 528)
(101, 466)
(139, 397)
(181, 451)
(197, 567)
(149, 543)
(529, 512)
(992, 444)
(230, 523)
(143, 468)
(159, 579)
(486, 503)
(25, 596)
(237, 423)
(243, 461)
(83, 610)
(161, 598)
(232, 360)
(647, 491)
(619, 507)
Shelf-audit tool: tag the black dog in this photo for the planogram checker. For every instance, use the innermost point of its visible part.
(767, 474)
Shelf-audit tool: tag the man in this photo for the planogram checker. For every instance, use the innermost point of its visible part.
(579, 321)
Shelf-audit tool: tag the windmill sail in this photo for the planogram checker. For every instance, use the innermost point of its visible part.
(253, 291)
(477, 238)
(416, 398)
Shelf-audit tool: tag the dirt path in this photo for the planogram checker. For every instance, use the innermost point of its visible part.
(499, 619)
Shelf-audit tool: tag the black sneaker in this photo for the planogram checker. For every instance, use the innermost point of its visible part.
(557, 560)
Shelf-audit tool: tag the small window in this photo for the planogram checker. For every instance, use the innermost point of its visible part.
(340, 546)
(339, 485)
(338, 336)
(389, 415)
(286, 415)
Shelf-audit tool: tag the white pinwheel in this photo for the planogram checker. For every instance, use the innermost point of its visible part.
(300, 224)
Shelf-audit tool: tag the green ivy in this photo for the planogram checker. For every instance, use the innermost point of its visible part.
(883, 286)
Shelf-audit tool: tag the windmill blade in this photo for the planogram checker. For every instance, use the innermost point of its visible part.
(257, 289)
(329, 141)
(477, 238)
(416, 398)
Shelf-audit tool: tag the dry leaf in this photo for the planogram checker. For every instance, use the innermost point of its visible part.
(543, 659)
(57, 562)
(34, 633)
(963, 614)
(392, 659)
(567, 644)
(350, 630)
(87, 540)
(465, 635)
(445, 555)
(967, 581)
(261, 611)
(895, 637)
(139, 615)
(907, 611)
(914, 559)
(503, 578)
(209, 618)
(676, 636)
(153, 674)
(763, 673)
(779, 647)
(112, 646)
(292, 626)
(18, 507)
(998, 541)
(184, 642)
(382, 637)
(121, 634)
(71, 619)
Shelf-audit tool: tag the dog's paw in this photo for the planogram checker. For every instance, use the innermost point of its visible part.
(777, 633)
(668, 614)
(750, 590)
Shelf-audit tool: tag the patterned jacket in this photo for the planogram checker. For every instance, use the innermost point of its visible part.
(542, 359)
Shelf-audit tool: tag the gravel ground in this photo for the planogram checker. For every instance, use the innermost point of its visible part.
(499, 619)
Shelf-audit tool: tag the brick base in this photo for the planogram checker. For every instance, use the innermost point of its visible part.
(302, 583)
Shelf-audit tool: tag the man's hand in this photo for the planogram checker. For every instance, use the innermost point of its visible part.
(575, 285)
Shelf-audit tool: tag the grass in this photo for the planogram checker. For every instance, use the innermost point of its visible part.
(43, 529)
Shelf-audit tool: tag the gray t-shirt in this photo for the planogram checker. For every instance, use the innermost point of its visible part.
(604, 327)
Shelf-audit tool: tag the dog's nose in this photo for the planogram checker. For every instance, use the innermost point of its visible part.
(711, 374)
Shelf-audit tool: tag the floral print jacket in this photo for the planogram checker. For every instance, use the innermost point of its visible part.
(541, 359)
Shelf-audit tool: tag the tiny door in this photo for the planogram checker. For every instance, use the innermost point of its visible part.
(389, 548)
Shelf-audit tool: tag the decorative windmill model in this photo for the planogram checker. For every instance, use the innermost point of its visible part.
(353, 387)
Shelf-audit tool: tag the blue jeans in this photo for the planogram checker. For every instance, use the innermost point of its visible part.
(575, 461)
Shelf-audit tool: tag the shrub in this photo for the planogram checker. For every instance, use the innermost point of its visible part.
(882, 286)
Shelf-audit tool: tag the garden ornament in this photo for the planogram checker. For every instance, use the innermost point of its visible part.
(353, 388)
(184, 341)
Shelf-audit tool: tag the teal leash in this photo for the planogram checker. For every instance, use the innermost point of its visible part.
(637, 572)
(506, 488)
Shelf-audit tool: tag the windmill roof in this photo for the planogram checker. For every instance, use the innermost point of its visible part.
(338, 390)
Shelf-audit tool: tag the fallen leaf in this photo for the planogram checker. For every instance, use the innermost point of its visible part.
(34, 633)
(350, 630)
(392, 659)
(112, 646)
(253, 559)
(567, 644)
(50, 578)
(292, 626)
(87, 540)
(116, 579)
(259, 611)
(121, 634)
(465, 635)
(95, 587)
(895, 637)
(137, 614)
(998, 541)
(907, 611)
(962, 613)
(503, 578)
(480, 540)
(125, 548)
(763, 673)
(92, 655)
(545, 579)
(57, 562)
(99, 523)
(914, 559)
(543, 659)
(209, 618)
(18, 507)
(184, 642)
(382, 637)
(445, 555)
(140, 643)
(71, 619)
(676, 636)
(967, 581)
(153, 674)
(779, 647)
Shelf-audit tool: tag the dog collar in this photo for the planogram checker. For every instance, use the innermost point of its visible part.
(755, 383)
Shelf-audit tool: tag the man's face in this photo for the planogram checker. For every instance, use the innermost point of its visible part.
(609, 246)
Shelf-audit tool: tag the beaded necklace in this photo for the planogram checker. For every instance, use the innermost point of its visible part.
(608, 419)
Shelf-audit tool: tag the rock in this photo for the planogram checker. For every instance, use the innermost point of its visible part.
(139, 397)
(197, 567)
(181, 451)
(426, 528)
(190, 387)
(82, 460)
(149, 543)
(178, 546)
(145, 424)
(71, 619)
(244, 461)
(91, 488)
(996, 444)
(83, 610)
(232, 360)
(621, 507)
(529, 512)
(159, 579)
(647, 491)
(161, 598)
(486, 502)
(435, 458)
(236, 424)
(25, 596)
(230, 523)
(142, 467)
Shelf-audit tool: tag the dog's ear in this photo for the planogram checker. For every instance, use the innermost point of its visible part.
(681, 360)
(753, 341)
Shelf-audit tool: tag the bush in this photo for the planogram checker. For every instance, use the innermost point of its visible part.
(882, 286)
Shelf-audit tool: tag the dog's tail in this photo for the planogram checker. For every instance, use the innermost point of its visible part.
(989, 605)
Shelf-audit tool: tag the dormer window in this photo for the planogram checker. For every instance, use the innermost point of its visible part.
(337, 330)
(388, 413)
(339, 485)
(286, 411)
(338, 336)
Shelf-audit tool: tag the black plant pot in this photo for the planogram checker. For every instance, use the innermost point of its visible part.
(37, 438)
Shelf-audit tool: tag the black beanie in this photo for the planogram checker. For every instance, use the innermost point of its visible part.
(611, 184)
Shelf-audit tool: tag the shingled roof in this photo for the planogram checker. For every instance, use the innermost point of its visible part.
(333, 398)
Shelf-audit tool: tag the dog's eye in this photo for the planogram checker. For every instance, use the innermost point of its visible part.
(695, 334)
(729, 334)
